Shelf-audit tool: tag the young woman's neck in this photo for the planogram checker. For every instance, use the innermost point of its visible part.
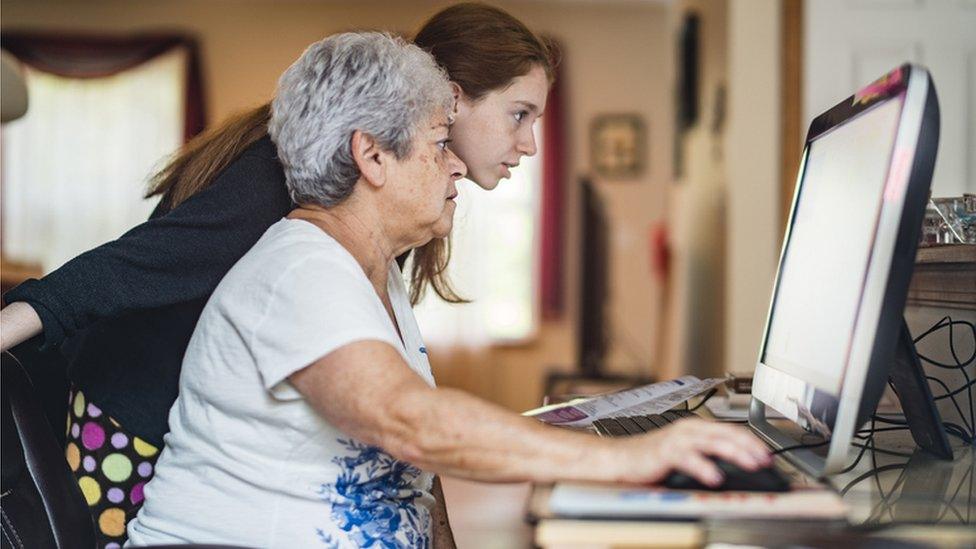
(357, 230)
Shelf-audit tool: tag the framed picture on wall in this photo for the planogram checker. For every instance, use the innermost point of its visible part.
(617, 146)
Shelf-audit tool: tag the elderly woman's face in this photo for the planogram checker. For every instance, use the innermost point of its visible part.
(426, 181)
(492, 135)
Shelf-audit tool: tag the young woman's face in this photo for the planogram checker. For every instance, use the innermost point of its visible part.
(492, 134)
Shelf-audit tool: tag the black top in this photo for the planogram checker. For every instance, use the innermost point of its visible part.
(123, 313)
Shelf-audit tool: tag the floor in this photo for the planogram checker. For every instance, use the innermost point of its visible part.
(487, 516)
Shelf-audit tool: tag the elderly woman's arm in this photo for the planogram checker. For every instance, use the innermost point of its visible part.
(367, 390)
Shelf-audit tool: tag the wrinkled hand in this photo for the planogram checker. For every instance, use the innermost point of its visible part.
(685, 446)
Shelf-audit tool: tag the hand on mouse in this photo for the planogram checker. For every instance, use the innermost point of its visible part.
(685, 446)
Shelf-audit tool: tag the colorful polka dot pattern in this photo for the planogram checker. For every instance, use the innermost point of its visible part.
(112, 468)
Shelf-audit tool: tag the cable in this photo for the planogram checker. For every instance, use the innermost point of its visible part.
(960, 365)
(857, 459)
(948, 322)
(883, 451)
(958, 432)
(889, 421)
(955, 391)
(799, 446)
(950, 428)
(869, 474)
(704, 399)
(870, 432)
(969, 427)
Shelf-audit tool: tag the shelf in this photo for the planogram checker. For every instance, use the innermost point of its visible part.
(953, 253)
(945, 276)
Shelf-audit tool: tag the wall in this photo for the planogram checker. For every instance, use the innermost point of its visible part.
(697, 199)
(617, 59)
(849, 44)
(753, 147)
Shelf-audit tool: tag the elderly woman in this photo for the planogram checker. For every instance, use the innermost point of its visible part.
(307, 412)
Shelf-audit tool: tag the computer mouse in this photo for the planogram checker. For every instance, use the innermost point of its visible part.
(761, 480)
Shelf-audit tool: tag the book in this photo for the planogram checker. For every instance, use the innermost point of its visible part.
(578, 500)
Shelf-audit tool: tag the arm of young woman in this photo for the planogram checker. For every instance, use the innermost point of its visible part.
(173, 258)
(367, 390)
(18, 323)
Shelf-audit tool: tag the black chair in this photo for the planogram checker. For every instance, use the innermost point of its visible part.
(41, 504)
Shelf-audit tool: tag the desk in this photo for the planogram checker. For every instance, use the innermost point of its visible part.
(890, 497)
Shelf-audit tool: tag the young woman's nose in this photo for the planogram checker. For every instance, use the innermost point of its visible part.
(526, 143)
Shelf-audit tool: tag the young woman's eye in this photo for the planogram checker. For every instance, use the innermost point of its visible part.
(520, 115)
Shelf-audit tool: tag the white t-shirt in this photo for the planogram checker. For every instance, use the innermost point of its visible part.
(248, 461)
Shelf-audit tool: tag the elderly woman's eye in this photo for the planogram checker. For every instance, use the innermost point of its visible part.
(442, 144)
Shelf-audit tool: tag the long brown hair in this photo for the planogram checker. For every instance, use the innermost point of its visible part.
(202, 159)
(483, 48)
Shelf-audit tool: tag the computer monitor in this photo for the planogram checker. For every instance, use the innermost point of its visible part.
(836, 314)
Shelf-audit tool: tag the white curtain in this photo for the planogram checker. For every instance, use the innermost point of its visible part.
(494, 264)
(75, 167)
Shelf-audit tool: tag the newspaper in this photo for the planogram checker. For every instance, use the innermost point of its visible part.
(645, 400)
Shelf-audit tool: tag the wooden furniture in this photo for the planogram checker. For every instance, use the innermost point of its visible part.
(945, 276)
(909, 497)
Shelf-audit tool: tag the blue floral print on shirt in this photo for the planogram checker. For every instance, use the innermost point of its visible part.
(373, 500)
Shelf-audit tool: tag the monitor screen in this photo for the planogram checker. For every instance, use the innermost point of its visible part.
(823, 269)
(836, 315)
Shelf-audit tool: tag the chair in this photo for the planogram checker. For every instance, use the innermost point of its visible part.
(41, 504)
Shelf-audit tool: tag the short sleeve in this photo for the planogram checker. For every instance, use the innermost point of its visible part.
(316, 306)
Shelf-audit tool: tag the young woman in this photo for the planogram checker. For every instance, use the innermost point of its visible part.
(123, 313)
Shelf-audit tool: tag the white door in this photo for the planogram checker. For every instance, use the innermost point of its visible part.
(849, 43)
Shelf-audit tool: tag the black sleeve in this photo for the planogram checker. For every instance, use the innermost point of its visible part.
(173, 258)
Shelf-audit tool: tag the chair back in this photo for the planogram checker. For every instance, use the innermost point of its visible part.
(42, 505)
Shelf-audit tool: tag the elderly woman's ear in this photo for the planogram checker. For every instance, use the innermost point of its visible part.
(370, 158)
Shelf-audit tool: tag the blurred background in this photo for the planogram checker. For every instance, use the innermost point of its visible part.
(641, 242)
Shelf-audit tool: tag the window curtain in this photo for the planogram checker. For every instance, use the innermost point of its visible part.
(553, 187)
(88, 56)
(103, 115)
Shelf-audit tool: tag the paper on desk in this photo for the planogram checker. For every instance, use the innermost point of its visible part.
(645, 400)
(601, 501)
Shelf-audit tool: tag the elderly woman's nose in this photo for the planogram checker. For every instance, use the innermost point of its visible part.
(458, 168)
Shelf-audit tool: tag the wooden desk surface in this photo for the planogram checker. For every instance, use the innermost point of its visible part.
(915, 498)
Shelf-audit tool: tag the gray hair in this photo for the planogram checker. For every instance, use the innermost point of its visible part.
(367, 81)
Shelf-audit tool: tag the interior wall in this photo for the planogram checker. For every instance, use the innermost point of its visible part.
(618, 58)
(753, 153)
(695, 316)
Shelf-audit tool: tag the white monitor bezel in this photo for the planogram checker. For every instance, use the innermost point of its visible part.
(856, 373)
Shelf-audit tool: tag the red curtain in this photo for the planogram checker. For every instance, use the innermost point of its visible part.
(95, 56)
(553, 185)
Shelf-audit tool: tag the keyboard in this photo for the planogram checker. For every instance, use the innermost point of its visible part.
(763, 480)
(635, 425)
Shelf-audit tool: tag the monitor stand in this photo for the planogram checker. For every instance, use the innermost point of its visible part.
(908, 379)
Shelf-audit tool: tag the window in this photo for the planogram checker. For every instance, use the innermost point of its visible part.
(494, 263)
(75, 166)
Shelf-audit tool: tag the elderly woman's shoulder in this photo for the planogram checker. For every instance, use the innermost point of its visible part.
(299, 243)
